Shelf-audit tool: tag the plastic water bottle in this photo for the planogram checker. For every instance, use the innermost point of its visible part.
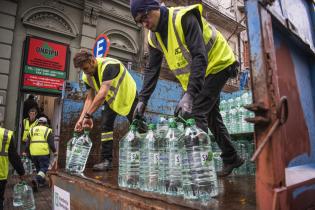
(132, 150)
(223, 105)
(198, 172)
(27, 165)
(163, 177)
(174, 165)
(149, 160)
(28, 202)
(17, 194)
(80, 153)
(162, 127)
(70, 144)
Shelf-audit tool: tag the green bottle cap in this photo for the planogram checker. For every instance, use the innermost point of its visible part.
(75, 134)
(86, 131)
(190, 122)
(152, 126)
(133, 127)
(172, 124)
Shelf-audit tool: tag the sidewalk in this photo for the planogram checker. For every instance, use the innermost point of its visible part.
(42, 197)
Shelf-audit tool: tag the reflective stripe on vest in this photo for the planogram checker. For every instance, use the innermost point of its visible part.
(177, 55)
(5, 140)
(27, 127)
(122, 91)
(115, 89)
(3, 151)
(107, 136)
(38, 140)
(185, 52)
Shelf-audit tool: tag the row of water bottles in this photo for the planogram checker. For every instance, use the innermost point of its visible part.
(168, 160)
(78, 150)
(245, 149)
(233, 113)
(23, 196)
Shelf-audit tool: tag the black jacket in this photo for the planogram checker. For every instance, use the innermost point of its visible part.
(196, 46)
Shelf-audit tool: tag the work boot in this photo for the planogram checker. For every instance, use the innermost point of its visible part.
(228, 167)
(103, 166)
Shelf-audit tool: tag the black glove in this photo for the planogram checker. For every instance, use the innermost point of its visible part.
(139, 110)
(184, 107)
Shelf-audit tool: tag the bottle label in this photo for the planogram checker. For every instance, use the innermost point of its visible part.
(134, 156)
(206, 157)
(178, 160)
(155, 158)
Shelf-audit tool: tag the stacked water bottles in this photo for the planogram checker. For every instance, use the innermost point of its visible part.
(78, 150)
(168, 160)
(233, 113)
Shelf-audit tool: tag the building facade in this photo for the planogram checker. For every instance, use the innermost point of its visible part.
(76, 24)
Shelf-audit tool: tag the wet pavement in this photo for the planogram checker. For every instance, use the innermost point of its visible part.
(42, 197)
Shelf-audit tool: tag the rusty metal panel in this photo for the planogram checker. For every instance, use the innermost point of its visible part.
(282, 67)
(99, 190)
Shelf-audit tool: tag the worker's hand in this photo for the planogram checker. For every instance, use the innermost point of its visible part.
(24, 154)
(88, 123)
(184, 107)
(78, 126)
(139, 110)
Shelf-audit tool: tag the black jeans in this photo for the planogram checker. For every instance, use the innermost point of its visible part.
(2, 190)
(108, 119)
(207, 113)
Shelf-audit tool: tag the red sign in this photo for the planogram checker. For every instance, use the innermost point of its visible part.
(42, 82)
(46, 54)
(45, 65)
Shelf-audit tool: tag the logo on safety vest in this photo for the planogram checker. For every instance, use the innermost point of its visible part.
(178, 51)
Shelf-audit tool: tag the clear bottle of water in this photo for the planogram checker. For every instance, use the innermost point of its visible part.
(80, 153)
(149, 160)
(232, 120)
(218, 163)
(27, 165)
(223, 105)
(237, 102)
(70, 144)
(17, 194)
(162, 127)
(132, 150)
(198, 172)
(163, 177)
(230, 103)
(28, 202)
(174, 165)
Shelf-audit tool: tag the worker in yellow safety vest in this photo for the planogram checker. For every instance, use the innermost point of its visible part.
(110, 84)
(28, 123)
(40, 139)
(199, 57)
(8, 154)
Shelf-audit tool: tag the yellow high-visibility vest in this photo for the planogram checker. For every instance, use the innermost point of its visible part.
(27, 127)
(177, 55)
(122, 91)
(38, 140)
(5, 139)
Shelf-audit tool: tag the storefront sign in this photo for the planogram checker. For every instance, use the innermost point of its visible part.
(61, 199)
(45, 65)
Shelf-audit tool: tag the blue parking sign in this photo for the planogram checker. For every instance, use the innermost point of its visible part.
(101, 46)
